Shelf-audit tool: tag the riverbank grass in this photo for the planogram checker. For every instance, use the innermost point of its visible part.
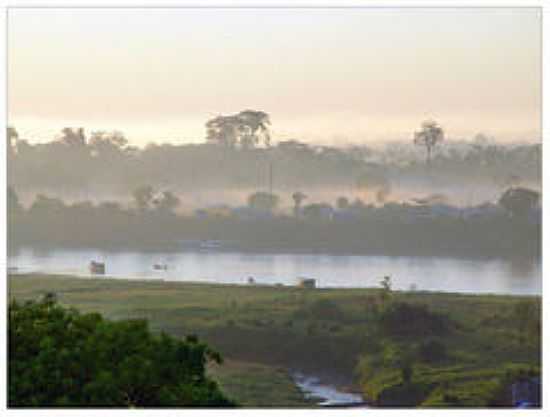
(267, 331)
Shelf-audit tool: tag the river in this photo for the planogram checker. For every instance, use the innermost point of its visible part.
(499, 276)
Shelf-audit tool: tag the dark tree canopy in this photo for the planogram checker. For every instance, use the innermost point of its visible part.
(298, 197)
(59, 357)
(263, 201)
(245, 129)
(518, 201)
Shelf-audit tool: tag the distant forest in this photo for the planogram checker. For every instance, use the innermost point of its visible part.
(238, 153)
(134, 197)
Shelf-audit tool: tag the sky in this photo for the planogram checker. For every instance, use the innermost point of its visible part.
(332, 76)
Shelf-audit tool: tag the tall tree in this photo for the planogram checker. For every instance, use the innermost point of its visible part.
(298, 198)
(429, 136)
(244, 129)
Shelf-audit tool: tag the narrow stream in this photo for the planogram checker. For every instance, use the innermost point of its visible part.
(326, 395)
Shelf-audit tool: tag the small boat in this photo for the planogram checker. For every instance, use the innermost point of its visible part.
(97, 268)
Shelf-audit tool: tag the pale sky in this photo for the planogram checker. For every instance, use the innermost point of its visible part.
(324, 75)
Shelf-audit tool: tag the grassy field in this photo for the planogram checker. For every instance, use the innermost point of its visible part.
(265, 332)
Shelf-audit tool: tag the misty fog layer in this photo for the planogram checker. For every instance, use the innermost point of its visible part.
(104, 167)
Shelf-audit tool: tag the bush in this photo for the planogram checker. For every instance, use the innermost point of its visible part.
(410, 320)
(432, 351)
(59, 357)
(322, 309)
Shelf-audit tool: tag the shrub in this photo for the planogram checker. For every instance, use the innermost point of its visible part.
(322, 309)
(432, 351)
(409, 320)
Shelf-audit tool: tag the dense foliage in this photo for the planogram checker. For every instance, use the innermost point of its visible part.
(59, 357)
(420, 357)
(391, 229)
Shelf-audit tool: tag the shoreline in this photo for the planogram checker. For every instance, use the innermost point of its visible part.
(175, 247)
(275, 286)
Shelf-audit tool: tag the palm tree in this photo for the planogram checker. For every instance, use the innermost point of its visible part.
(298, 198)
(429, 136)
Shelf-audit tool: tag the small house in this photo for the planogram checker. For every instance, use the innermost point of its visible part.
(306, 282)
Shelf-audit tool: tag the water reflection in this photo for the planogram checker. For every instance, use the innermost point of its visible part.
(431, 274)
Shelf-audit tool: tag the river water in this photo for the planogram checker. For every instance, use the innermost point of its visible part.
(323, 394)
(497, 276)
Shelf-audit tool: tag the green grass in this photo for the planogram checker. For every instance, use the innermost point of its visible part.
(258, 385)
(265, 332)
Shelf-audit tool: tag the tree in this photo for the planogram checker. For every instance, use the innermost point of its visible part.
(73, 137)
(12, 136)
(518, 201)
(342, 203)
(143, 197)
(385, 295)
(107, 144)
(167, 202)
(318, 211)
(59, 357)
(429, 136)
(298, 198)
(222, 130)
(14, 207)
(256, 128)
(263, 201)
(244, 129)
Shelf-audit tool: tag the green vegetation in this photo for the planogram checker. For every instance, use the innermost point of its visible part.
(258, 385)
(61, 358)
(401, 348)
(391, 229)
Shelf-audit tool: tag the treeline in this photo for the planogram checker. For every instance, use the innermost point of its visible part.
(511, 228)
(75, 161)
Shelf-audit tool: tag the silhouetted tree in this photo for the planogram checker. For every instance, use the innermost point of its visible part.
(429, 136)
(12, 136)
(298, 198)
(245, 129)
(263, 201)
(73, 137)
(143, 197)
(342, 203)
(107, 144)
(167, 202)
(518, 201)
(13, 206)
